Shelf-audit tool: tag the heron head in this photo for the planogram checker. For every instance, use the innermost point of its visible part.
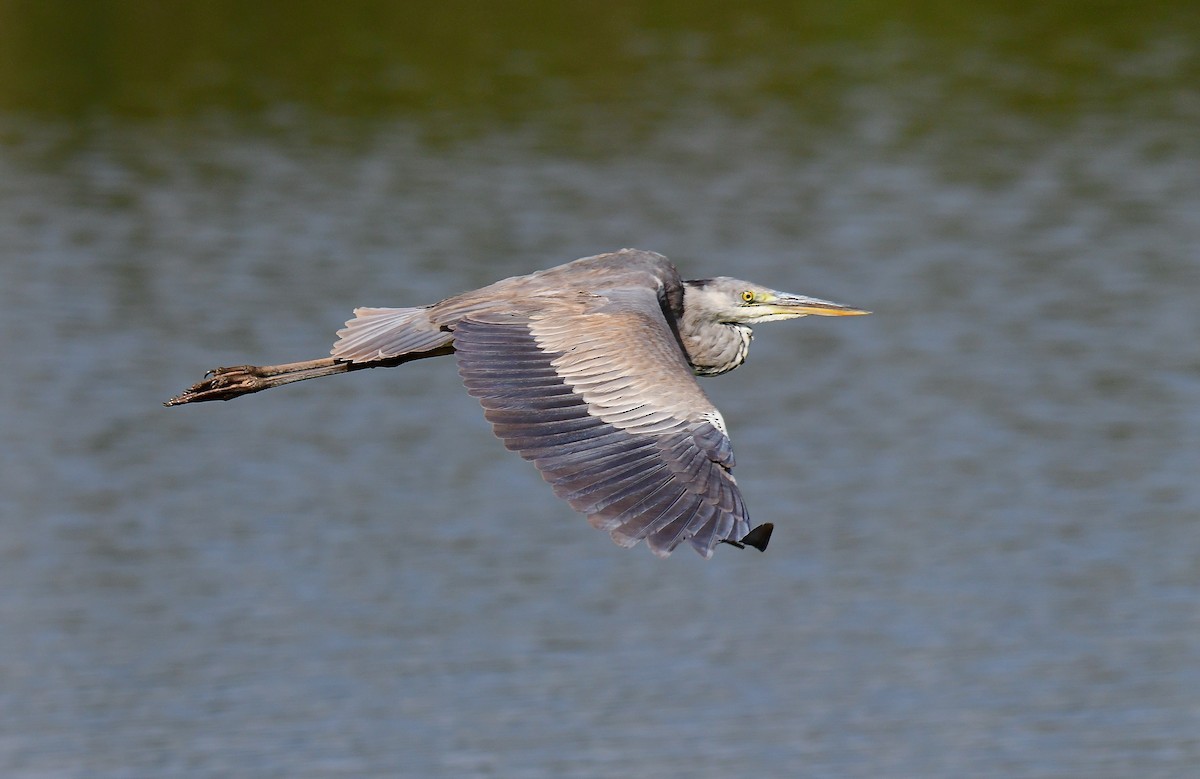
(734, 301)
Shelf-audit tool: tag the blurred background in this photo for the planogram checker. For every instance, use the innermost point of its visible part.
(986, 560)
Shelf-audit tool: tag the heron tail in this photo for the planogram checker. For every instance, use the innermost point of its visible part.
(383, 333)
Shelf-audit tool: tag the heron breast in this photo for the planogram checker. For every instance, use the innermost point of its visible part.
(725, 349)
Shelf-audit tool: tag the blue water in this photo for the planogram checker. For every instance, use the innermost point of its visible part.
(986, 560)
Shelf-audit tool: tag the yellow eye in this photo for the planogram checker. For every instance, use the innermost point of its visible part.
(747, 297)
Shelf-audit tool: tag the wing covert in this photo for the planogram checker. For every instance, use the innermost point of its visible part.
(596, 392)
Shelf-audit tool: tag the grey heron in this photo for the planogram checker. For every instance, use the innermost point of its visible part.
(588, 370)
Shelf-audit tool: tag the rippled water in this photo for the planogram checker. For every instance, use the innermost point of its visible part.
(986, 560)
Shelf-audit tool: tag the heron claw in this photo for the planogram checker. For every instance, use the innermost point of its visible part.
(221, 384)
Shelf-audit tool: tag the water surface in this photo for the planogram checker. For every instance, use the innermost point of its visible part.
(986, 560)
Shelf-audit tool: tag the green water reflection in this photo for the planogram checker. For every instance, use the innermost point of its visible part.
(460, 64)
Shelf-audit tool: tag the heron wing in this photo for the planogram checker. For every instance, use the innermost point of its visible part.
(377, 334)
(597, 393)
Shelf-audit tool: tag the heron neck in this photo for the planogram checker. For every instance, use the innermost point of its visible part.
(716, 348)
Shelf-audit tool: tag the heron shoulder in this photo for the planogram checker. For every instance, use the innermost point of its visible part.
(624, 268)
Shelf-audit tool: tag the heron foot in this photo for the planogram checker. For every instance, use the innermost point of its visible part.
(223, 384)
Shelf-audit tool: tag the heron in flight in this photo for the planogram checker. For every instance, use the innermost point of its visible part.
(588, 370)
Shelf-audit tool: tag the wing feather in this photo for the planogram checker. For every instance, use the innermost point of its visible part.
(671, 534)
(597, 393)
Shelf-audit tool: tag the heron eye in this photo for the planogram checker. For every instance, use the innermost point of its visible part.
(747, 297)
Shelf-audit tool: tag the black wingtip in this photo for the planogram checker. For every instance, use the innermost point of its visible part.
(759, 537)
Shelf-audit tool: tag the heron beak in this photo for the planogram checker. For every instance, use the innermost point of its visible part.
(800, 305)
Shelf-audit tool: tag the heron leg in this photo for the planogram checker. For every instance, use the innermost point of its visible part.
(230, 383)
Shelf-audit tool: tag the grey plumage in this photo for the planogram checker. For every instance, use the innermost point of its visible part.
(587, 370)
